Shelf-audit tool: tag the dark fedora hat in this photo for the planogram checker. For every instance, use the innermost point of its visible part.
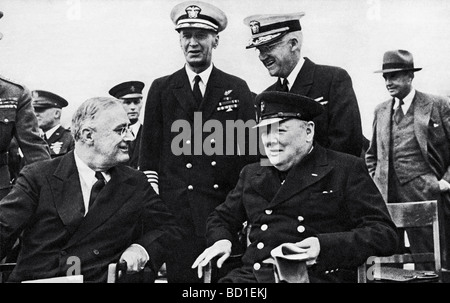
(397, 60)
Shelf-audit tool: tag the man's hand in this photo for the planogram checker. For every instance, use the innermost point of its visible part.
(312, 247)
(221, 248)
(444, 185)
(136, 258)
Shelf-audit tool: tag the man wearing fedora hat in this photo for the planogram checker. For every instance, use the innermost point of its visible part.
(194, 182)
(48, 108)
(278, 40)
(322, 201)
(409, 154)
(18, 120)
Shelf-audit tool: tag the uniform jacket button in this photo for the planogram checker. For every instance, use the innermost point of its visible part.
(300, 228)
(260, 245)
(216, 186)
(190, 187)
(264, 227)
(256, 266)
(189, 165)
(213, 163)
(268, 211)
(300, 218)
(96, 252)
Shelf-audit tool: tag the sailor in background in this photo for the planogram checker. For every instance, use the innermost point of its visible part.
(130, 94)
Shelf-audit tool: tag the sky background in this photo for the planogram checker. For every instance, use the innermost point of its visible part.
(81, 48)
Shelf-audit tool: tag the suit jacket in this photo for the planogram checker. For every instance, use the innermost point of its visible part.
(339, 127)
(46, 203)
(432, 131)
(328, 195)
(17, 120)
(193, 182)
(60, 142)
(134, 150)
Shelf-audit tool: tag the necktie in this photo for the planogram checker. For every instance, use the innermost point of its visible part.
(398, 112)
(284, 86)
(44, 136)
(96, 188)
(197, 93)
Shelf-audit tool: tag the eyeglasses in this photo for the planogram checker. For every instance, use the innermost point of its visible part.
(263, 49)
(122, 131)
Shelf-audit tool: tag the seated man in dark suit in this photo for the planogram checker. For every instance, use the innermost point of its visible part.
(322, 201)
(84, 210)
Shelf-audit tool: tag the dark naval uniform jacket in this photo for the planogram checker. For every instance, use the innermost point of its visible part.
(193, 183)
(47, 203)
(60, 142)
(339, 127)
(17, 120)
(134, 147)
(328, 195)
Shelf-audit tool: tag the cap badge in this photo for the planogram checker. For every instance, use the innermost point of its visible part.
(132, 89)
(254, 25)
(35, 94)
(263, 106)
(193, 11)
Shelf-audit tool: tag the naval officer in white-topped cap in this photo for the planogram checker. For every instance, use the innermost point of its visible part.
(194, 181)
(278, 40)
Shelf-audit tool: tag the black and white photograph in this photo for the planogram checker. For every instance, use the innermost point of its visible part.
(197, 143)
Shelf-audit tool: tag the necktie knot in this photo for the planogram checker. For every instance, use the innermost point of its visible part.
(99, 176)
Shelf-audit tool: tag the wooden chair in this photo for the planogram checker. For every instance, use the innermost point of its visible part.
(407, 215)
(117, 273)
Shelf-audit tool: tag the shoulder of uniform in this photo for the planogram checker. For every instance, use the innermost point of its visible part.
(11, 81)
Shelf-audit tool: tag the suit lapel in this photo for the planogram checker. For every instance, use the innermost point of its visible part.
(66, 188)
(305, 78)
(214, 93)
(422, 112)
(266, 182)
(55, 136)
(384, 126)
(309, 171)
(108, 202)
(183, 93)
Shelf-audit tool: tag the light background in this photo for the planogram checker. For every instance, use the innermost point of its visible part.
(81, 48)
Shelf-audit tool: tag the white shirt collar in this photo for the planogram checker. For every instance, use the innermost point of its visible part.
(293, 75)
(204, 75)
(407, 101)
(52, 130)
(135, 128)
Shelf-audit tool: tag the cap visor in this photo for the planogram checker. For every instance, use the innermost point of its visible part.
(131, 96)
(266, 122)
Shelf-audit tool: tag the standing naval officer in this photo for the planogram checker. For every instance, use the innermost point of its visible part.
(130, 94)
(17, 120)
(278, 40)
(48, 108)
(194, 181)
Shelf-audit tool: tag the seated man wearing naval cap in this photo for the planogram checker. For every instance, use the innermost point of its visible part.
(130, 94)
(48, 109)
(322, 201)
